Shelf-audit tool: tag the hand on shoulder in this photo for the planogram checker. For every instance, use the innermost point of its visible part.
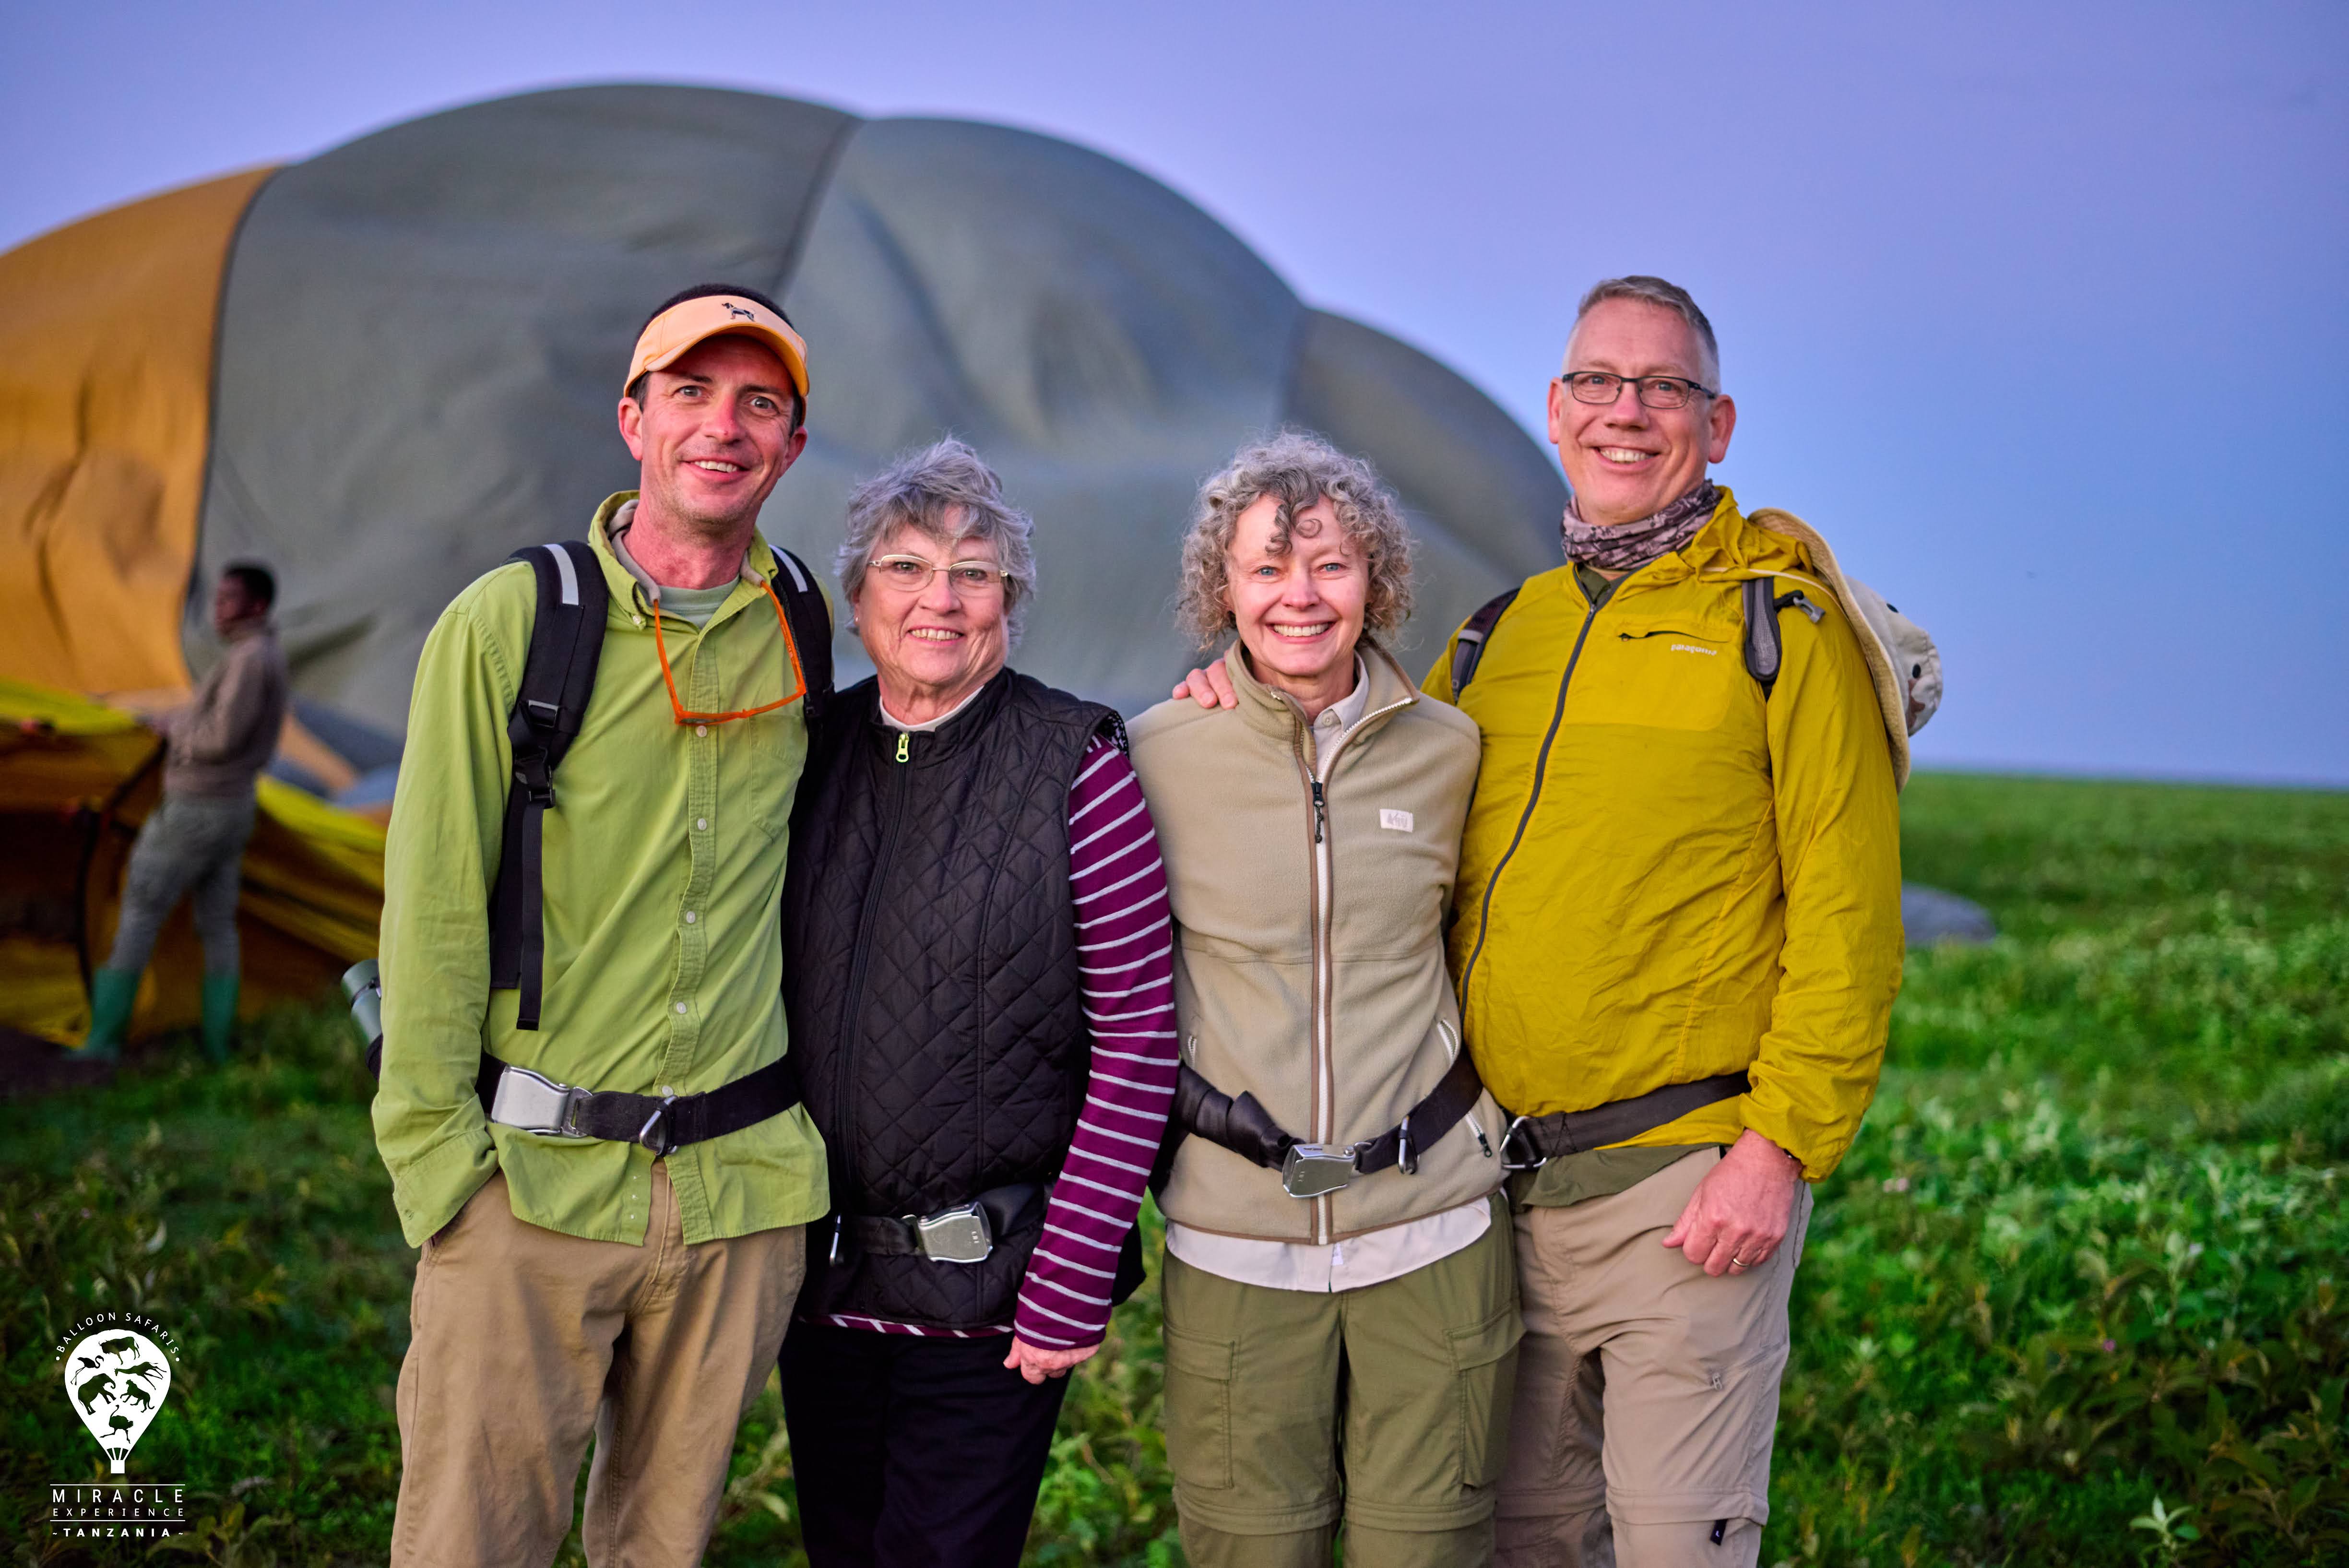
(1209, 686)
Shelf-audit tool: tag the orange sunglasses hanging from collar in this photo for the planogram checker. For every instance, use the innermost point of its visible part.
(782, 624)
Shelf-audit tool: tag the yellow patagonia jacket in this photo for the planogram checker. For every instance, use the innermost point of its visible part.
(1665, 875)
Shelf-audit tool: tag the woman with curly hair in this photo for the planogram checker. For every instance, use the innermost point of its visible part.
(1340, 1290)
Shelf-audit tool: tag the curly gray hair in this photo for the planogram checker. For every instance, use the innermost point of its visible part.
(1299, 468)
(948, 492)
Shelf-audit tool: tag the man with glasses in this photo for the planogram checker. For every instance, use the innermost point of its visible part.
(599, 1146)
(1677, 939)
(1678, 946)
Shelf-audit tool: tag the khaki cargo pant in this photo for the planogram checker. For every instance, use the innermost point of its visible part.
(1647, 1389)
(1389, 1404)
(527, 1343)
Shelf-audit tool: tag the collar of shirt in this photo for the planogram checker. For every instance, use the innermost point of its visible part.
(616, 533)
(927, 725)
(1332, 723)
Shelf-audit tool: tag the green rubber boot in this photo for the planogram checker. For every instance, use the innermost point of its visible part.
(220, 1015)
(112, 991)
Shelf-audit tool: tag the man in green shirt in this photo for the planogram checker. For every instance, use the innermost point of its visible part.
(633, 1286)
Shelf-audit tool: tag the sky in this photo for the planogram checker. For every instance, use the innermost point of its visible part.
(2037, 312)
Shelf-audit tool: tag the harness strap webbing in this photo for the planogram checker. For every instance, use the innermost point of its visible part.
(1243, 1126)
(1575, 1132)
(1009, 1210)
(662, 1125)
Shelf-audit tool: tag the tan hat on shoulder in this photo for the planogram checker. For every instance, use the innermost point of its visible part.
(668, 336)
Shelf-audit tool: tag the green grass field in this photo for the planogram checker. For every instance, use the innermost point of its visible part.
(2078, 1296)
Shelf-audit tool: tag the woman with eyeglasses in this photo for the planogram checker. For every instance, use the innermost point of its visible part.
(1340, 1288)
(977, 974)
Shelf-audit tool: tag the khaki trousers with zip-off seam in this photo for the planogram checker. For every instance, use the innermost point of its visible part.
(1647, 1389)
(1386, 1404)
(528, 1342)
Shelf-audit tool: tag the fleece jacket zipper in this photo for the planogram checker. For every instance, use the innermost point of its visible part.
(1324, 1128)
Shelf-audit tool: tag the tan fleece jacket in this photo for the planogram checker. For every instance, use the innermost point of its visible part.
(1310, 965)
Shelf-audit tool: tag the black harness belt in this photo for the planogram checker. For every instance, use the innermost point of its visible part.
(518, 1097)
(965, 1233)
(1534, 1141)
(1309, 1170)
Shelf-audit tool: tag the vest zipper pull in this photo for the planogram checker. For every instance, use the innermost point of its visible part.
(905, 744)
(1320, 812)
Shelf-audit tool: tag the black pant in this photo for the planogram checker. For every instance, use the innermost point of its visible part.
(914, 1453)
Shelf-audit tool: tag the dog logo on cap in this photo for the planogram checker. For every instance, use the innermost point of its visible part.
(738, 310)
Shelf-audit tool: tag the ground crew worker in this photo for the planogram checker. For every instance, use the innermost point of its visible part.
(193, 841)
(584, 1274)
(1678, 943)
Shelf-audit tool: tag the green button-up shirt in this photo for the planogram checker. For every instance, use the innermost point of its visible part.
(663, 876)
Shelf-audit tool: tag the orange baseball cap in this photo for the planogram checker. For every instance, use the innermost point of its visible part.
(668, 336)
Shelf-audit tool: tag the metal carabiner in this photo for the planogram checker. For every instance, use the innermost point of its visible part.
(659, 1117)
(1508, 1162)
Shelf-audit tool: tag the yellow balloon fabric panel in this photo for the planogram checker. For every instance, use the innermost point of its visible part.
(107, 330)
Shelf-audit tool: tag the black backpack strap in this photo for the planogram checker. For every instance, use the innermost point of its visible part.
(1764, 648)
(809, 618)
(1468, 645)
(558, 676)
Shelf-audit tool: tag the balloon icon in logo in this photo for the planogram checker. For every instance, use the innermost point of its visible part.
(117, 1379)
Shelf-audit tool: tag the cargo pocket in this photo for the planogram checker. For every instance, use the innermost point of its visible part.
(1485, 1369)
(1199, 1409)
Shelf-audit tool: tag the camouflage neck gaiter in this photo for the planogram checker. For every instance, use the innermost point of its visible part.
(1627, 546)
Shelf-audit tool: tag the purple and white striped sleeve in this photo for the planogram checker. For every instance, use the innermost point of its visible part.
(1125, 944)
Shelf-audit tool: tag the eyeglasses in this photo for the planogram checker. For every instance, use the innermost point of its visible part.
(1654, 392)
(686, 716)
(912, 574)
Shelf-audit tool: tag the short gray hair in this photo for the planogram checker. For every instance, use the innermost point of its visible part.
(1300, 469)
(947, 491)
(1672, 298)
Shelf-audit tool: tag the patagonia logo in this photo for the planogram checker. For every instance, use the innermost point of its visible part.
(1692, 648)
(1395, 821)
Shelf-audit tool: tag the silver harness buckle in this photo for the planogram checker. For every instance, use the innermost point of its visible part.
(530, 1102)
(956, 1235)
(1312, 1170)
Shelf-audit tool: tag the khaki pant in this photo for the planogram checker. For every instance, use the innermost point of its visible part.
(527, 1343)
(1389, 1404)
(1647, 1389)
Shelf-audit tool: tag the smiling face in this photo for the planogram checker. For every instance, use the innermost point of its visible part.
(1298, 605)
(935, 644)
(713, 434)
(1627, 461)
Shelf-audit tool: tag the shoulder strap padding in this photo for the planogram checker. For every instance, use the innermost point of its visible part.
(1764, 649)
(1468, 643)
(558, 678)
(809, 615)
(566, 643)
(1890, 689)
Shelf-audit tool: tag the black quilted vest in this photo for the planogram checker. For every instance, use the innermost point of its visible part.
(931, 979)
